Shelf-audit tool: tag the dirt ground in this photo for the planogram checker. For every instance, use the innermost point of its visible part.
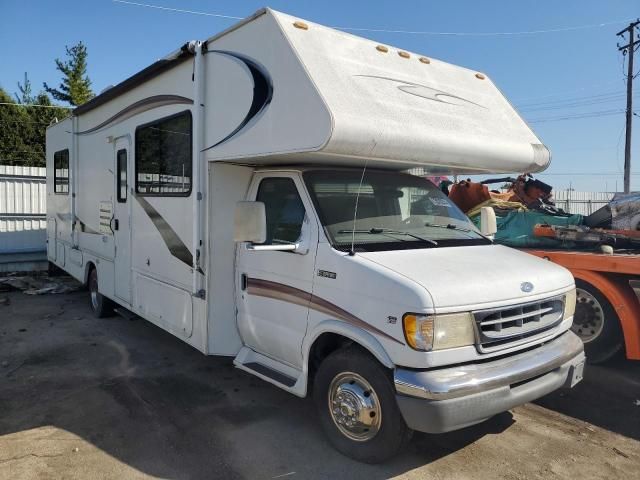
(82, 398)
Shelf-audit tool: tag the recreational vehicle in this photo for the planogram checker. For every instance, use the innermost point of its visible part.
(246, 193)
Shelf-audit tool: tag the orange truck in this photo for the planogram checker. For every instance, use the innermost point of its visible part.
(607, 314)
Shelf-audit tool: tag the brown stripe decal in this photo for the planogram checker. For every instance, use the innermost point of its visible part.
(174, 243)
(139, 107)
(285, 293)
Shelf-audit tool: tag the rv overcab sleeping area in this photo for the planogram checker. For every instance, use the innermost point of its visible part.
(246, 194)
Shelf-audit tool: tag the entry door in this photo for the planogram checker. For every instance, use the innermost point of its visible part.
(121, 224)
(274, 288)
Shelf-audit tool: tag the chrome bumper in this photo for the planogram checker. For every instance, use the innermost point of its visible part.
(436, 401)
(466, 380)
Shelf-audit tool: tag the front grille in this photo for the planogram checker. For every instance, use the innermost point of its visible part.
(508, 326)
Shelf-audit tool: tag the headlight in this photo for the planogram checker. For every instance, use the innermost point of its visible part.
(569, 304)
(437, 332)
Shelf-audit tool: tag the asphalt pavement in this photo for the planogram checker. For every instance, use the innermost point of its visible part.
(82, 398)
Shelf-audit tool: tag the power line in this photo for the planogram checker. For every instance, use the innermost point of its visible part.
(601, 113)
(179, 10)
(35, 105)
(575, 90)
(409, 32)
(571, 99)
(581, 104)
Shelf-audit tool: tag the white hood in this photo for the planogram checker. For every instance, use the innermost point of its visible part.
(467, 278)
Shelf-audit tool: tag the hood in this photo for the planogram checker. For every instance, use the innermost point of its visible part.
(466, 278)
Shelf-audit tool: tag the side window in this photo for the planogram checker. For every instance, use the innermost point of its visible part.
(284, 210)
(121, 157)
(61, 172)
(163, 156)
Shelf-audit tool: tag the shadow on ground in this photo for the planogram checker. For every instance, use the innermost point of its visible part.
(156, 404)
(609, 397)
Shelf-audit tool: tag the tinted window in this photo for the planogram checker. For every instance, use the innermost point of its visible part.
(284, 210)
(61, 172)
(163, 156)
(122, 175)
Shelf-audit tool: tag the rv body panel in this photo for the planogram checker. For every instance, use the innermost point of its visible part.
(264, 103)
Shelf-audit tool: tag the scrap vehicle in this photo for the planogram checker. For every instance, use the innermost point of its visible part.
(245, 194)
(601, 250)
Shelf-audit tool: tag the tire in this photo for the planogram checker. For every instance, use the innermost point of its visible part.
(597, 324)
(101, 306)
(353, 378)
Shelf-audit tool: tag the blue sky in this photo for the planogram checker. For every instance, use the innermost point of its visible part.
(547, 76)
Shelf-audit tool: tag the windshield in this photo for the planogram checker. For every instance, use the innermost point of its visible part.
(395, 211)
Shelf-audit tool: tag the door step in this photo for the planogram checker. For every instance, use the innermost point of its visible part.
(272, 371)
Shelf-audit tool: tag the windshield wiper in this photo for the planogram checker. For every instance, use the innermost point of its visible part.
(389, 231)
(453, 226)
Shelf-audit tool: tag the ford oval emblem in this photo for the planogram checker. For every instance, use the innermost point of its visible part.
(526, 287)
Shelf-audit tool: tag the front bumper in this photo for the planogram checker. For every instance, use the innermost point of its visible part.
(446, 399)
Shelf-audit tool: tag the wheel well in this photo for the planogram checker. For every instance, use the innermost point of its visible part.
(87, 271)
(325, 345)
(322, 347)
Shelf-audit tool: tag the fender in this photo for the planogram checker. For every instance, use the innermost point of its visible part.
(624, 302)
(358, 335)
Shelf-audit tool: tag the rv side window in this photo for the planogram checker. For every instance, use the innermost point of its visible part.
(122, 175)
(283, 208)
(61, 172)
(163, 156)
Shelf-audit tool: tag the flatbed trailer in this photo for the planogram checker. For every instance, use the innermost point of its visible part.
(608, 299)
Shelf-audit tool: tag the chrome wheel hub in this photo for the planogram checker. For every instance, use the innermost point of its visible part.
(354, 407)
(588, 320)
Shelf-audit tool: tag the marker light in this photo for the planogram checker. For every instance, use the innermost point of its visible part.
(569, 304)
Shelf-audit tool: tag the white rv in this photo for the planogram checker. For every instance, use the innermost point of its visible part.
(246, 194)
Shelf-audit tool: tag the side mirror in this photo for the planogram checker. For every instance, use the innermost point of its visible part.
(250, 222)
(488, 225)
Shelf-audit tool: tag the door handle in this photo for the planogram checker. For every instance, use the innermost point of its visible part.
(243, 281)
(116, 224)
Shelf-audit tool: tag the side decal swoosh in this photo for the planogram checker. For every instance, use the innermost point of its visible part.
(262, 92)
(139, 107)
(176, 246)
(286, 293)
(423, 91)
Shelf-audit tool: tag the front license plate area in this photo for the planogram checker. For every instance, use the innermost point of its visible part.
(577, 373)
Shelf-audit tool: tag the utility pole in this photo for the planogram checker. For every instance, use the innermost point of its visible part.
(628, 49)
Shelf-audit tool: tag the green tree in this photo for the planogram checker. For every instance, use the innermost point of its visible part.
(23, 125)
(25, 91)
(75, 87)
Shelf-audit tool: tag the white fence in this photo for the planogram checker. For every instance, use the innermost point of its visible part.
(22, 209)
(584, 203)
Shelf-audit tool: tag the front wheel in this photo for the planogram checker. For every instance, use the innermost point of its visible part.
(596, 323)
(356, 401)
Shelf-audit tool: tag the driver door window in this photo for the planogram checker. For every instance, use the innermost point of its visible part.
(284, 210)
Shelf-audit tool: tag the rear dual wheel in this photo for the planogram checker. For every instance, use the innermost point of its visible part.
(356, 402)
(596, 323)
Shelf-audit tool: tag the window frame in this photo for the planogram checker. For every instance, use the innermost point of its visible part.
(137, 156)
(300, 197)
(55, 176)
(119, 198)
